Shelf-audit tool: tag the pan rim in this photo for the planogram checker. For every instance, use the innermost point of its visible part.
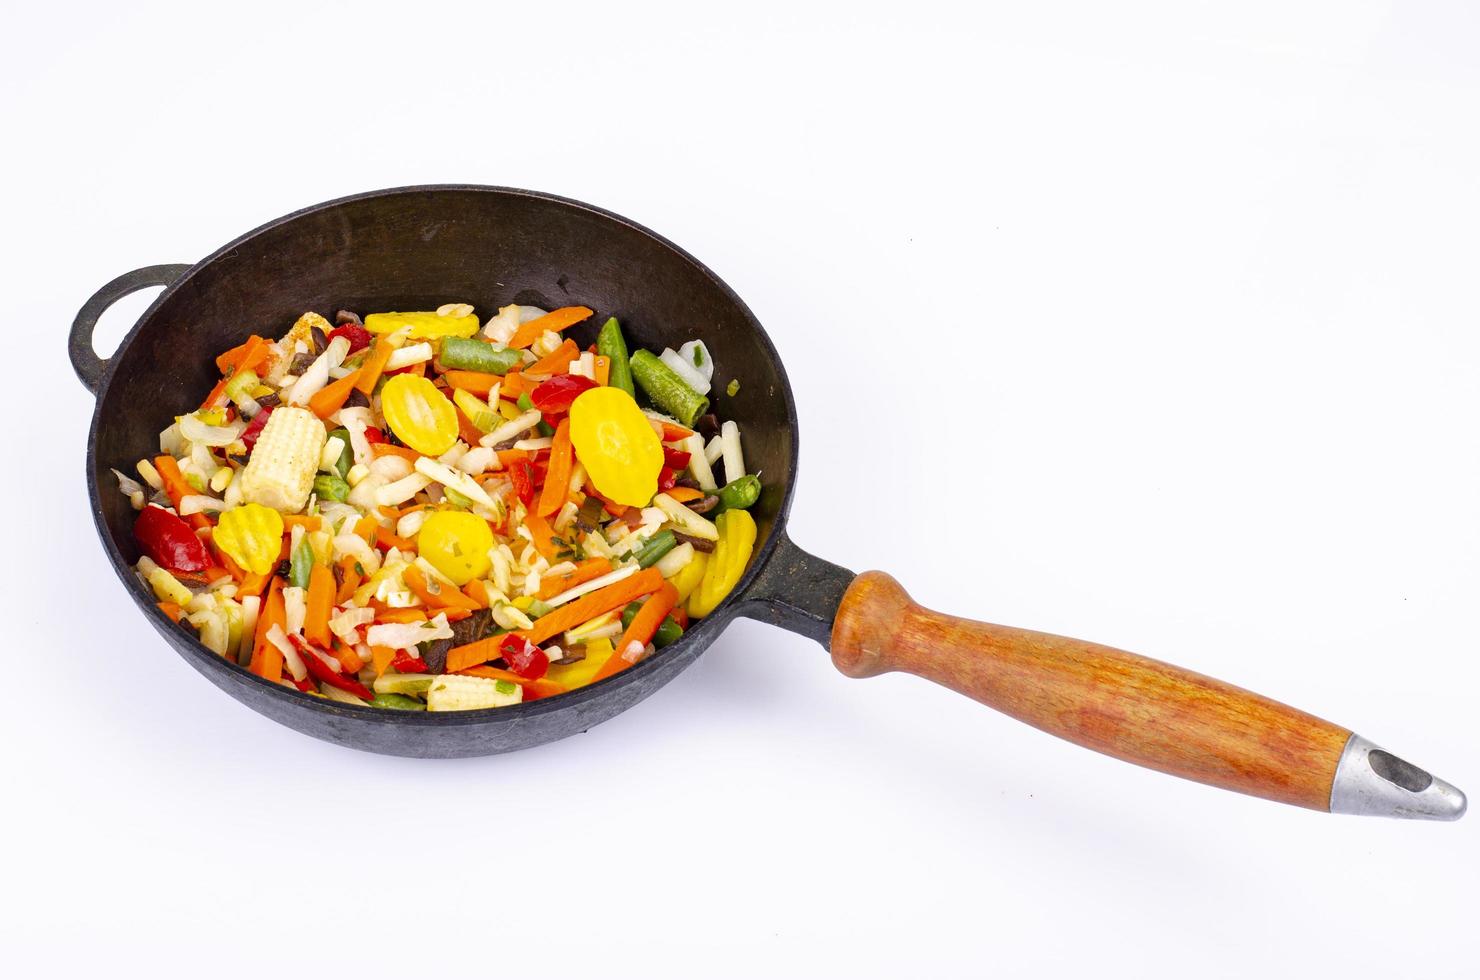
(696, 639)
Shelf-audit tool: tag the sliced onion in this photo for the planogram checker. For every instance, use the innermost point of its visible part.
(705, 364)
(198, 432)
(685, 370)
(128, 486)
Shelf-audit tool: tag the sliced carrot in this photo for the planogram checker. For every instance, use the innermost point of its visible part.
(349, 573)
(541, 687)
(379, 449)
(366, 527)
(557, 320)
(331, 398)
(374, 366)
(478, 592)
(380, 658)
(445, 597)
(176, 487)
(388, 539)
(309, 522)
(585, 571)
(414, 614)
(229, 359)
(603, 369)
(513, 386)
(267, 659)
(318, 605)
(571, 614)
(543, 535)
(348, 658)
(466, 430)
(640, 631)
(251, 584)
(557, 478)
(684, 494)
(215, 394)
(170, 609)
(508, 457)
(473, 382)
(247, 357)
(612, 507)
(671, 432)
(557, 361)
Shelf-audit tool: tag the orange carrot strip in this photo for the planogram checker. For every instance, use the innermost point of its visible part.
(673, 433)
(557, 320)
(640, 631)
(348, 658)
(466, 430)
(557, 360)
(478, 592)
(331, 398)
(585, 571)
(247, 357)
(543, 535)
(380, 658)
(170, 609)
(414, 614)
(541, 687)
(318, 605)
(557, 478)
(473, 382)
(373, 367)
(386, 449)
(446, 598)
(573, 613)
(366, 527)
(310, 522)
(513, 386)
(603, 369)
(387, 539)
(267, 659)
(176, 487)
(684, 494)
(349, 572)
(507, 457)
(252, 584)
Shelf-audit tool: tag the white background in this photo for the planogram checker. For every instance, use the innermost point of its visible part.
(1149, 323)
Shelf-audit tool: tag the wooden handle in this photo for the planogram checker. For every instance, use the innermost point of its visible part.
(1126, 706)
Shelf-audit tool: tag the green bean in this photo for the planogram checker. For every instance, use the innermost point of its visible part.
(537, 608)
(301, 566)
(655, 548)
(346, 456)
(330, 487)
(668, 630)
(400, 701)
(611, 344)
(666, 389)
(469, 354)
(738, 494)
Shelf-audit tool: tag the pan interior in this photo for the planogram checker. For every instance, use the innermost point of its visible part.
(416, 249)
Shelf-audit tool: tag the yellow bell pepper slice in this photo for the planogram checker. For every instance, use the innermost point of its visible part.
(424, 326)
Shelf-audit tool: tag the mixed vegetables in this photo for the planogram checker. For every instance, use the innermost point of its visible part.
(419, 511)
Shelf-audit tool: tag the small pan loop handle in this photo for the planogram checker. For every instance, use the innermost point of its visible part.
(85, 361)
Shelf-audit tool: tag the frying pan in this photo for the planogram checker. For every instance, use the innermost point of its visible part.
(417, 247)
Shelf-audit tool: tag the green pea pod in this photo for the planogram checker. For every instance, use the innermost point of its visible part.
(399, 701)
(611, 344)
(302, 564)
(666, 389)
(738, 494)
(330, 487)
(655, 548)
(668, 630)
(346, 458)
(470, 354)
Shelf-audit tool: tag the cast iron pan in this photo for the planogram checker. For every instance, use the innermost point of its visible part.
(417, 247)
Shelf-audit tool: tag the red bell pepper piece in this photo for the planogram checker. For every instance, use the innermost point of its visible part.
(358, 336)
(523, 657)
(675, 458)
(373, 435)
(170, 541)
(555, 395)
(254, 427)
(667, 479)
(523, 481)
(405, 663)
(318, 668)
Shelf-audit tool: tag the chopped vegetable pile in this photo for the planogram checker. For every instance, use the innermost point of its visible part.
(419, 512)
